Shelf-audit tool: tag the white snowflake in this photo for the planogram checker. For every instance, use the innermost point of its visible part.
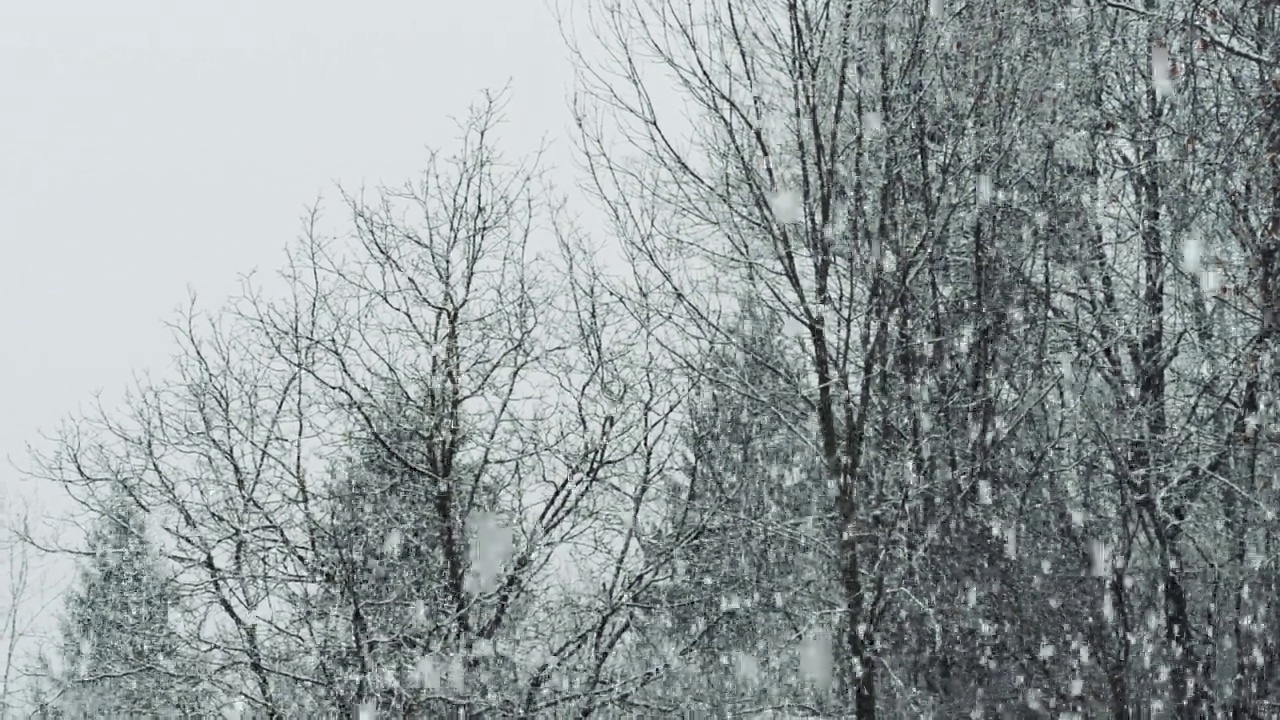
(1099, 558)
(427, 673)
(746, 667)
(1192, 250)
(1161, 78)
(788, 207)
(816, 659)
(391, 546)
(984, 191)
(873, 122)
(491, 547)
(792, 327)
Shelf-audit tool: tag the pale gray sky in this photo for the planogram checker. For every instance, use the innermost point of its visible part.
(148, 146)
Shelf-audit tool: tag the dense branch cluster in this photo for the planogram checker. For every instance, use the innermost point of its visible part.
(923, 365)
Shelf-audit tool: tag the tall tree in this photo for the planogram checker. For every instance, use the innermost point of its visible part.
(891, 177)
(815, 173)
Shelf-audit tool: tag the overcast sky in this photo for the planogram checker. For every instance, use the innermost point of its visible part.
(148, 147)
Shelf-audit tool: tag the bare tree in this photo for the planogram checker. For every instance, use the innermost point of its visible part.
(971, 216)
(18, 570)
(817, 175)
(423, 477)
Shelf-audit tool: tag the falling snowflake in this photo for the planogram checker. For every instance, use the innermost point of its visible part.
(457, 674)
(1033, 698)
(1099, 558)
(816, 659)
(793, 327)
(872, 123)
(888, 261)
(391, 546)
(491, 546)
(1161, 77)
(788, 207)
(1210, 282)
(984, 191)
(426, 673)
(746, 667)
(1192, 250)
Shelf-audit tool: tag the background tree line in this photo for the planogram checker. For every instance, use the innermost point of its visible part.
(922, 364)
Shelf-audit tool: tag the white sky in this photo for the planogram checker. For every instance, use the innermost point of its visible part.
(148, 146)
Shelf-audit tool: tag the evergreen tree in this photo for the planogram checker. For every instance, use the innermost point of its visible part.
(119, 650)
(394, 553)
(382, 594)
(748, 582)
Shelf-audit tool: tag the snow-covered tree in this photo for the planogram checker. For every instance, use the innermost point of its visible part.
(751, 587)
(120, 656)
(388, 597)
